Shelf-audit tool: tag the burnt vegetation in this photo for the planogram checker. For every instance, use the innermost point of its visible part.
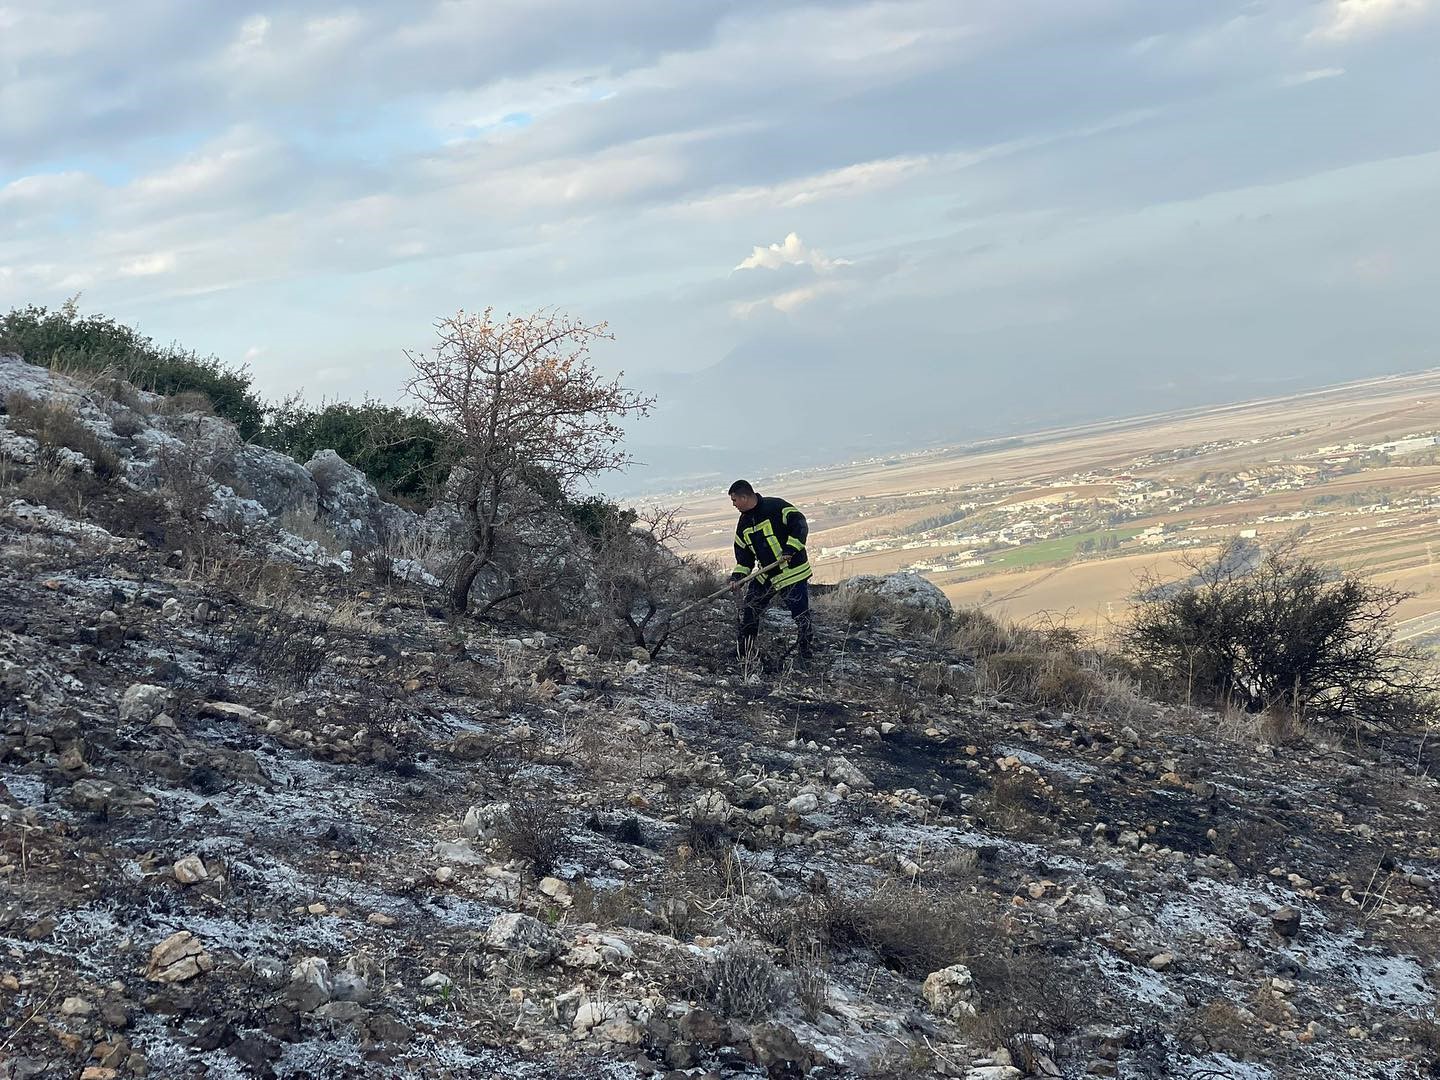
(957, 842)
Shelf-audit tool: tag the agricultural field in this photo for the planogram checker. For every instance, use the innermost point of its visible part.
(1062, 524)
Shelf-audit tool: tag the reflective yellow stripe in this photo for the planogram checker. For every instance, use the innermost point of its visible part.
(741, 570)
(798, 545)
(739, 539)
(766, 530)
(786, 512)
(791, 576)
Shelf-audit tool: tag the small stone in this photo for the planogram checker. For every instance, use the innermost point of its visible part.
(950, 991)
(311, 984)
(1161, 961)
(76, 1006)
(1286, 921)
(379, 918)
(98, 1072)
(711, 806)
(317, 908)
(190, 870)
(592, 1014)
(143, 702)
(350, 987)
(229, 710)
(436, 980)
(807, 803)
(522, 935)
(444, 874)
(40, 929)
(179, 958)
(269, 970)
(345, 1012)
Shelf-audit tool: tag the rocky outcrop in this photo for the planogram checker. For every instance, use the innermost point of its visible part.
(907, 589)
(351, 506)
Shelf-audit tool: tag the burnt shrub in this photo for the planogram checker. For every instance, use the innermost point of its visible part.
(740, 982)
(56, 427)
(1033, 994)
(286, 650)
(535, 829)
(912, 931)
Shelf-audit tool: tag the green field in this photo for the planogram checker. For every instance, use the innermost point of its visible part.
(1059, 550)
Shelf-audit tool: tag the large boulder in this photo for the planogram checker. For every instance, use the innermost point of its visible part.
(907, 588)
(276, 481)
(350, 504)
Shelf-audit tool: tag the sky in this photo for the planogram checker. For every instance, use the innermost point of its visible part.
(817, 230)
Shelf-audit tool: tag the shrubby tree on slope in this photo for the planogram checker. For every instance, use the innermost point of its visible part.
(1281, 634)
(523, 398)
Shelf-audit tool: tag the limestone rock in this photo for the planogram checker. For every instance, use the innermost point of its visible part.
(190, 870)
(144, 702)
(807, 803)
(1286, 921)
(950, 991)
(311, 984)
(350, 505)
(482, 821)
(906, 588)
(179, 958)
(522, 935)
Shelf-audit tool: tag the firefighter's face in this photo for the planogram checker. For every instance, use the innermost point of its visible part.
(743, 502)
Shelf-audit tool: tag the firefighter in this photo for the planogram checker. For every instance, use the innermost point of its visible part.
(770, 530)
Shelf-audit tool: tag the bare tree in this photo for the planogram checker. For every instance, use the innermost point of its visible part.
(522, 396)
(636, 572)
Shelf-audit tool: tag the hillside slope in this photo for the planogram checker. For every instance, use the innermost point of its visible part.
(265, 815)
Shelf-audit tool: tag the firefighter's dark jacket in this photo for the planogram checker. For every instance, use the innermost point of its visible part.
(772, 529)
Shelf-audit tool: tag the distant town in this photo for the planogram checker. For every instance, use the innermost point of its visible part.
(1096, 507)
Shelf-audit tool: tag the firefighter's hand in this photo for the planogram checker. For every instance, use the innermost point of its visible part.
(785, 560)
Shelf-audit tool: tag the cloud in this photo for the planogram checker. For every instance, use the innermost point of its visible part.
(788, 300)
(805, 276)
(792, 251)
(160, 262)
(195, 171)
(1312, 76)
(1348, 19)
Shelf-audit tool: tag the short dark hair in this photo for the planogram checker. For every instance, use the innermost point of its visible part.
(741, 487)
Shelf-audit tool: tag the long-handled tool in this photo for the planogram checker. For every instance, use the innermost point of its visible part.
(669, 620)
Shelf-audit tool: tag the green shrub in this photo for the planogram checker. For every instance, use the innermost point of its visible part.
(401, 452)
(600, 517)
(97, 343)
